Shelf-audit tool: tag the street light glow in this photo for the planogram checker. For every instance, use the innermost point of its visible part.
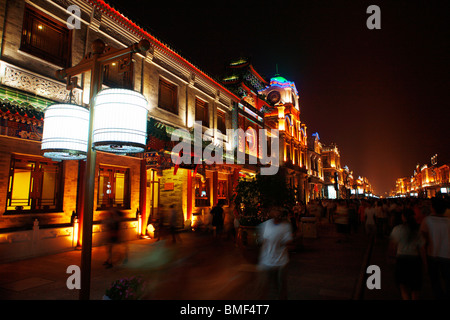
(120, 121)
(65, 132)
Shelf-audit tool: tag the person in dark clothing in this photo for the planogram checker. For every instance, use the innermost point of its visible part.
(173, 224)
(114, 236)
(217, 220)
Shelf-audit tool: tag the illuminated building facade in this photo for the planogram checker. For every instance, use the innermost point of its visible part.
(41, 200)
(248, 114)
(315, 168)
(340, 182)
(427, 181)
(332, 173)
(285, 116)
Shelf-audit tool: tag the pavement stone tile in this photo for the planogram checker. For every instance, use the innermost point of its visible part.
(203, 268)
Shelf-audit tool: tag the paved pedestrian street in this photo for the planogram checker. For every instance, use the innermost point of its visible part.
(203, 268)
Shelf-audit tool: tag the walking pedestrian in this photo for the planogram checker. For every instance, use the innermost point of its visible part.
(342, 220)
(370, 218)
(362, 212)
(436, 230)
(353, 217)
(217, 218)
(173, 224)
(114, 236)
(406, 245)
(276, 235)
(381, 219)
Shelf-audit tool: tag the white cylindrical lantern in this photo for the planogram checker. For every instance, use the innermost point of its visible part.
(65, 132)
(120, 121)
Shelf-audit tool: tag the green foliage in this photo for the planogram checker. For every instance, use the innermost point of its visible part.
(253, 197)
(126, 289)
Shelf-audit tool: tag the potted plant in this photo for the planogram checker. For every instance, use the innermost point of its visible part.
(252, 199)
(125, 289)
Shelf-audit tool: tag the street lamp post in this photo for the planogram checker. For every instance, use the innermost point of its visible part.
(94, 63)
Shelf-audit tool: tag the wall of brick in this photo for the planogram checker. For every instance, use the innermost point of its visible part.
(173, 190)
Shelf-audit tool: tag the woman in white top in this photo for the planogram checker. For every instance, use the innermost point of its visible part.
(406, 244)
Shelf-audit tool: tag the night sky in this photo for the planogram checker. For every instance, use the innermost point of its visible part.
(381, 95)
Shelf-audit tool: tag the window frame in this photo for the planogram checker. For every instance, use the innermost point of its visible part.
(112, 176)
(174, 108)
(199, 200)
(221, 115)
(35, 191)
(31, 14)
(222, 184)
(119, 74)
(202, 112)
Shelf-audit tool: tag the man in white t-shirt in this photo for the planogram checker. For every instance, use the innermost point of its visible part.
(436, 230)
(276, 235)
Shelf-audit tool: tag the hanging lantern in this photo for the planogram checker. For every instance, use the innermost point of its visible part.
(65, 132)
(120, 121)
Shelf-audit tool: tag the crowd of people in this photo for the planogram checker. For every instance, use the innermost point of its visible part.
(418, 230)
(372, 216)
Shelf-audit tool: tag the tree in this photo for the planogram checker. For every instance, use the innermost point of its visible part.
(253, 197)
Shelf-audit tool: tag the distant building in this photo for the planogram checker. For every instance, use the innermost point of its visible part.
(333, 180)
(427, 181)
(285, 116)
(315, 168)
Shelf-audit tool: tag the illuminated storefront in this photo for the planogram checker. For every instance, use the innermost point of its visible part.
(43, 196)
(428, 180)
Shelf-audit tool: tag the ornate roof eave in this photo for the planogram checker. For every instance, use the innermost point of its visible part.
(21, 113)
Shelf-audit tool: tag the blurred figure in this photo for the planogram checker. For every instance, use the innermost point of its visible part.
(160, 222)
(276, 235)
(173, 224)
(320, 210)
(217, 218)
(436, 230)
(331, 209)
(362, 212)
(353, 217)
(293, 220)
(406, 245)
(236, 225)
(114, 236)
(228, 222)
(370, 214)
(381, 216)
(342, 220)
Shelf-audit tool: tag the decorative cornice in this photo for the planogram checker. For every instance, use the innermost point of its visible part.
(39, 85)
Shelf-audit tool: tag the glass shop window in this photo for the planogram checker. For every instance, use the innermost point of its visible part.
(113, 186)
(33, 185)
(202, 192)
(222, 191)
